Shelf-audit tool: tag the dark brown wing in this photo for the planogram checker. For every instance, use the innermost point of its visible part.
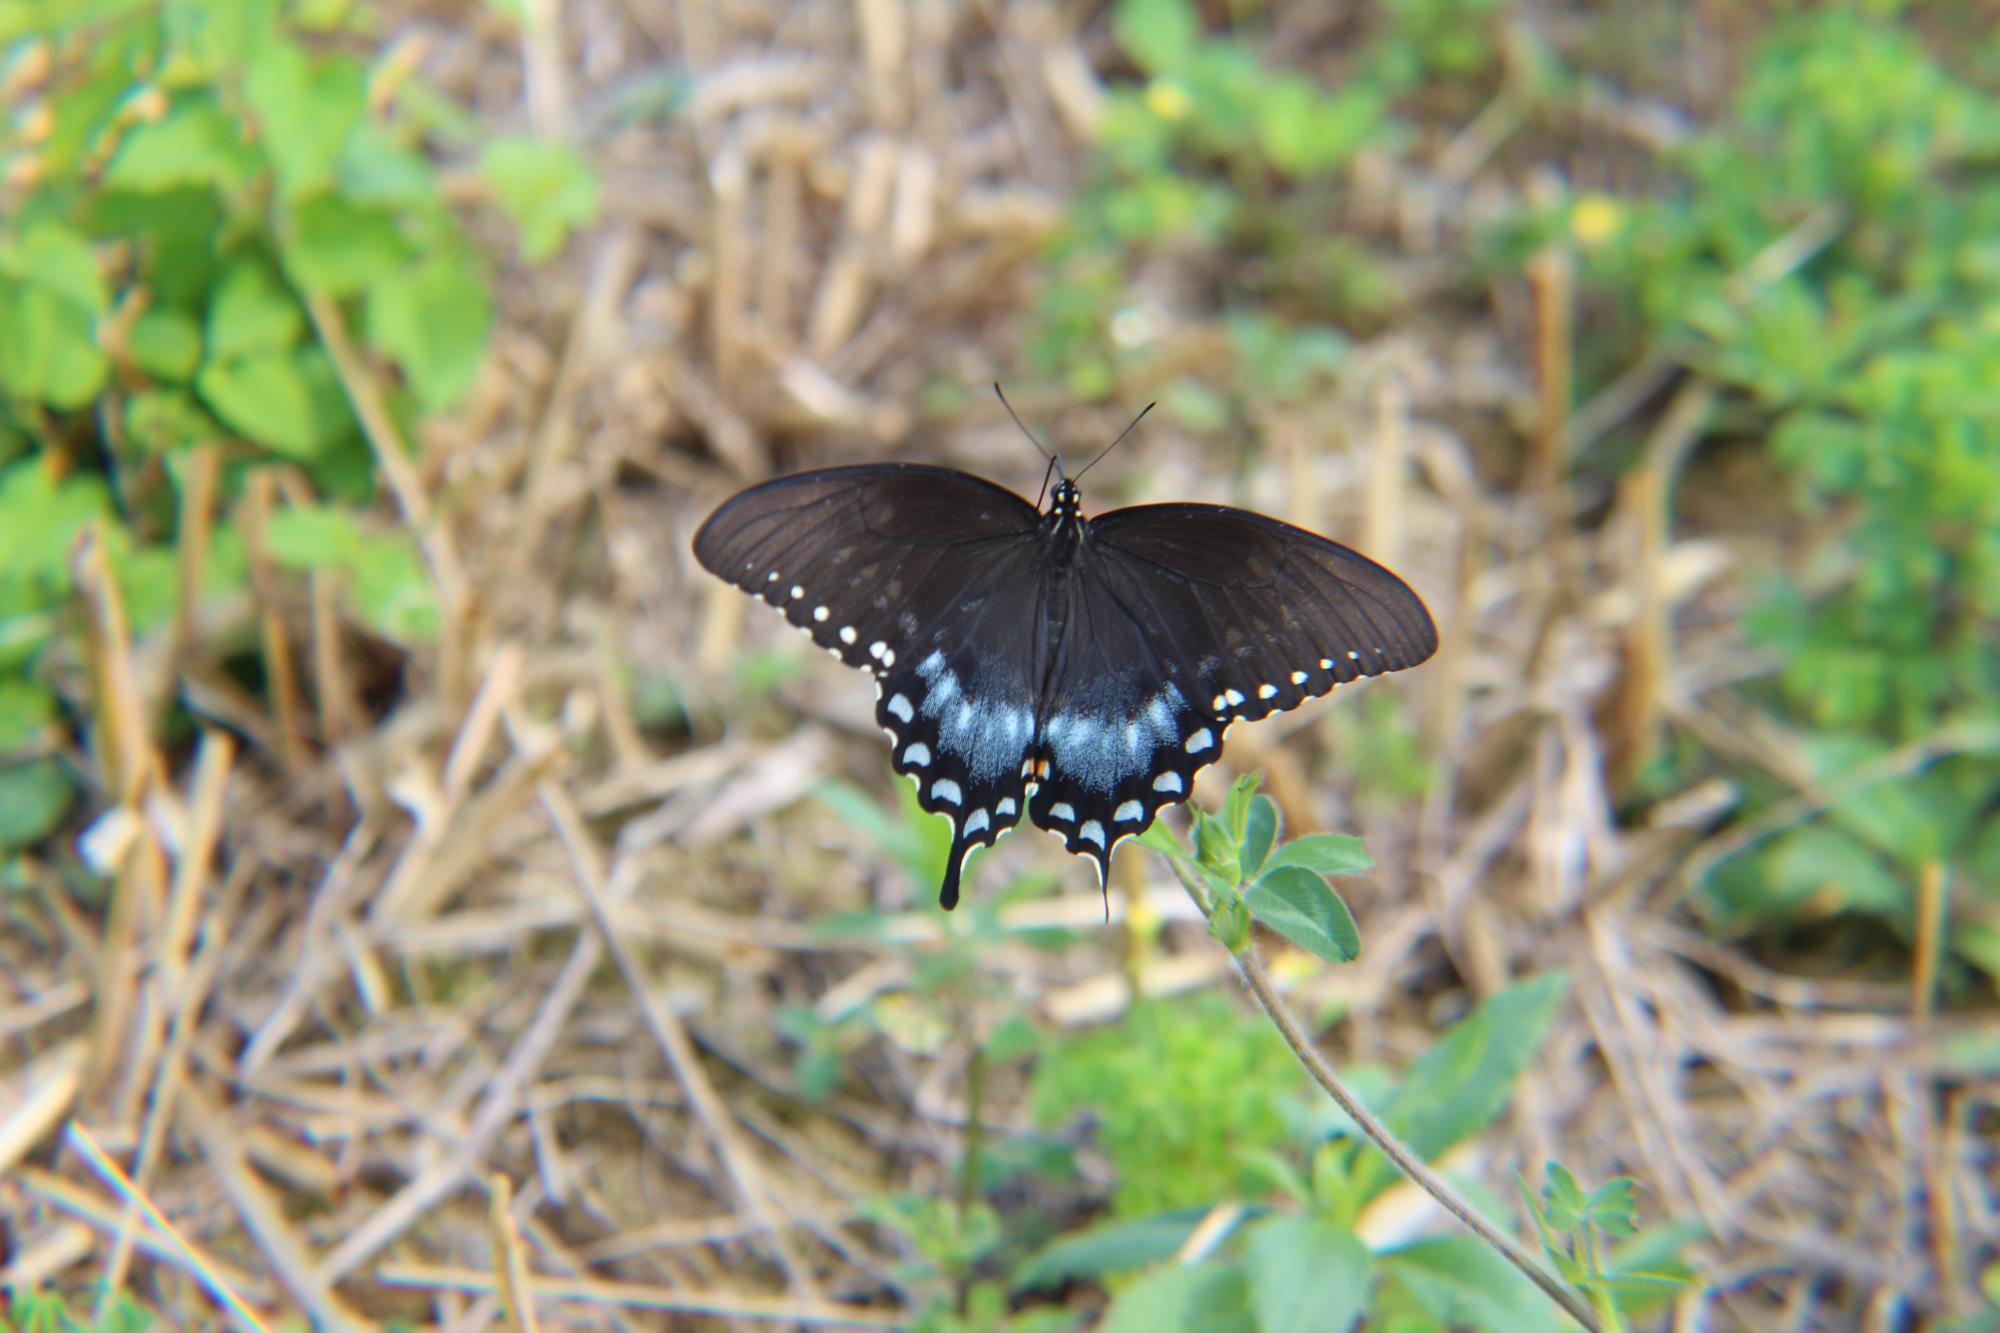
(929, 579)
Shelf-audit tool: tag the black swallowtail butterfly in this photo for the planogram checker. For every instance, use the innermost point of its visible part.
(1075, 670)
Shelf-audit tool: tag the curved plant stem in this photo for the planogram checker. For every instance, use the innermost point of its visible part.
(1259, 981)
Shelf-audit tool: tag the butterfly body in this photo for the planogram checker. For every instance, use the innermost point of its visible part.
(1033, 663)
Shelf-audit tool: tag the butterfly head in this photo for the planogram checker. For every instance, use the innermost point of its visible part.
(1066, 505)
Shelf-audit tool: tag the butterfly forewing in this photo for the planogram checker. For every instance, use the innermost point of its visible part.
(863, 558)
(1261, 615)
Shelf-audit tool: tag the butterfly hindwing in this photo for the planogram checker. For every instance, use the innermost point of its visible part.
(960, 710)
(923, 577)
(1120, 736)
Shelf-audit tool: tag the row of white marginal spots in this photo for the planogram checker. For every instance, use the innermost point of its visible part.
(918, 755)
(878, 650)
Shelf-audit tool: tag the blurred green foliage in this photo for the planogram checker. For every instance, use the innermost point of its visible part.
(1199, 1105)
(1216, 148)
(1245, 873)
(1829, 257)
(1183, 1094)
(192, 191)
(48, 1312)
(1822, 249)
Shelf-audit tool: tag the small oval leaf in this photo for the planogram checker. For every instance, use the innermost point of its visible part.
(1302, 907)
(1260, 830)
(1325, 854)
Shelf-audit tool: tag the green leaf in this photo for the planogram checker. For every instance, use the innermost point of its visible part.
(392, 589)
(252, 311)
(1613, 1208)
(1213, 847)
(1303, 907)
(1459, 1282)
(1563, 1203)
(1260, 829)
(1162, 839)
(305, 110)
(1325, 854)
(1306, 1276)
(818, 1073)
(310, 537)
(266, 399)
(193, 144)
(435, 321)
(377, 171)
(1818, 858)
(34, 797)
(24, 711)
(1204, 1297)
(165, 343)
(1459, 1085)
(1229, 920)
(548, 190)
(1235, 813)
(166, 420)
(1114, 1247)
(40, 519)
(1159, 35)
(338, 248)
(1305, 133)
(60, 259)
(48, 349)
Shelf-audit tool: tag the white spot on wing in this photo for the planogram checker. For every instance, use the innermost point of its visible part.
(1200, 741)
(944, 789)
(1129, 812)
(797, 592)
(1168, 782)
(1298, 678)
(976, 821)
(1062, 810)
(1234, 696)
(820, 614)
(1004, 807)
(918, 755)
(847, 634)
(1326, 664)
(877, 648)
(900, 706)
(1267, 691)
(1091, 832)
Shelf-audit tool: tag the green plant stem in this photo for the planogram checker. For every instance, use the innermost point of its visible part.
(1601, 1298)
(1259, 981)
(968, 1167)
(975, 1132)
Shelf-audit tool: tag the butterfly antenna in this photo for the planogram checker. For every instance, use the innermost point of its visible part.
(1120, 440)
(1047, 472)
(1023, 425)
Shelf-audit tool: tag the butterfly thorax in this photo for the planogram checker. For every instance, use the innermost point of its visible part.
(1063, 523)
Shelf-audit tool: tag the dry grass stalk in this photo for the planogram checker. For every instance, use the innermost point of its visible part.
(510, 1262)
(213, 1279)
(281, 675)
